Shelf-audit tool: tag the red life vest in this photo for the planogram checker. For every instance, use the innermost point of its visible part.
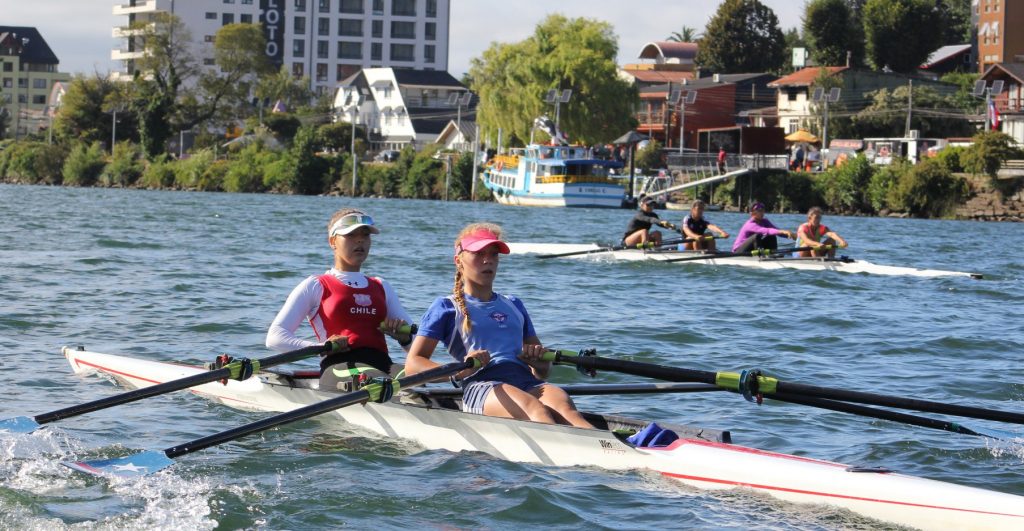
(354, 312)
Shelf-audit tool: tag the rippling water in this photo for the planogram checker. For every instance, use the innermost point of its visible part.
(185, 276)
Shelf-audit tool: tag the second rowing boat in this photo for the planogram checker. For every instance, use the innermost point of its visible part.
(847, 265)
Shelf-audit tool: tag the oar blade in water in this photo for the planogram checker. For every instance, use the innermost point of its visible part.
(19, 425)
(134, 465)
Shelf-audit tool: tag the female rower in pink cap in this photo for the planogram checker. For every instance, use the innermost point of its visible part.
(343, 304)
(476, 322)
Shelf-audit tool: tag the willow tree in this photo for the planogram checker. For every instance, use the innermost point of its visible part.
(742, 37)
(511, 80)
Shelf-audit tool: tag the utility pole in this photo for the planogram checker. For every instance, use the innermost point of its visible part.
(910, 107)
(476, 157)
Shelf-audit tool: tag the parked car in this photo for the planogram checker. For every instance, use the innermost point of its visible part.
(388, 155)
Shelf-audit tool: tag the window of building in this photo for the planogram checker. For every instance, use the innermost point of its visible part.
(245, 19)
(298, 48)
(22, 82)
(229, 1)
(6, 98)
(403, 8)
(403, 52)
(791, 95)
(321, 72)
(431, 8)
(246, 2)
(8, 82)
(403, 30)
(208, 61)
(300, 5)
(227, 18)
(8, 67)
(298, 71)
(300, 25)
(792, 127)
(339, 74)
(22, 98)
(376, 51)
(351, 6)
(428, 53)
(378, 7)
(430, 31)
(377, 28)
(350, 27)
(323, 49)
(39, 83)
(324, 6)
(323, 26)
(350, 50)
(210, 15)
(207, 38)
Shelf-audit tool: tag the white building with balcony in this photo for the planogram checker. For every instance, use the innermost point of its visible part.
(401, 106)
(324, 40)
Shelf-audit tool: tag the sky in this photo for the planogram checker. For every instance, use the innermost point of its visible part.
(79, 31)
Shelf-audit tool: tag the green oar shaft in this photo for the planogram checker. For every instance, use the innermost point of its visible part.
(368, 392)
(231, 370)
(769, 386)
(648, 246)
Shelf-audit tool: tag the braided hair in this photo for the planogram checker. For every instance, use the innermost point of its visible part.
(457, 293)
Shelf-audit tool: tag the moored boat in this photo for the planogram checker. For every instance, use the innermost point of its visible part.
(594, 251)
(701, 458)
(554, 176)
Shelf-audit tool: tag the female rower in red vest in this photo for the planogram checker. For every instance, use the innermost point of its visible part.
(344, 304)
(810, 234)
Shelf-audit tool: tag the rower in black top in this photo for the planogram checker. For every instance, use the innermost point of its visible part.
(639, 232)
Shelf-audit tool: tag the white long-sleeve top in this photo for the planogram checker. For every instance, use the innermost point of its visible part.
(304, 301)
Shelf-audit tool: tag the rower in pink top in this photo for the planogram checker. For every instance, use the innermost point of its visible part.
(758, 232)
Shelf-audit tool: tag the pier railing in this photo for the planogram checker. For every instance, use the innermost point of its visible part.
(691, 162)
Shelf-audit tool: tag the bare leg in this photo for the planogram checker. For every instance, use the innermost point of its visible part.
(509, 402)
(558, 400)
(639, 236)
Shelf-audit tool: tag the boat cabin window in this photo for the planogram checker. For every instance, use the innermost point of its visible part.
(547, 153)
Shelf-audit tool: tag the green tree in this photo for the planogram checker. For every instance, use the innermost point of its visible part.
(125, 166)
(742, 37)
(956, 24)
(578, 54)
(685, 34)
(987, 153)
(845, 187)
(84, 165)
(927, 190)
(83, 115)
(887, 114)
(901, 34)
(832, 31)
(650, 156)
(309, 168)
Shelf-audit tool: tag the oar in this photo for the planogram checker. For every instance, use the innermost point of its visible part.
(764, 253)
(752, 383)
(149, 461)
(648, 245)
(238, 369)
(599, 389)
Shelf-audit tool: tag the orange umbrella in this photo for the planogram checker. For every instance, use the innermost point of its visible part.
(802, 136)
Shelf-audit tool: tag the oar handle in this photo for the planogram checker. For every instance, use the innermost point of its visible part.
(372, 391)
(232, 370)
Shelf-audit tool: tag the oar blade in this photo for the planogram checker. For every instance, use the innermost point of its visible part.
(19, 425)
(140, 464)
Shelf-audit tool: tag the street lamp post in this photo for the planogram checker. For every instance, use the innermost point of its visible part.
(353, 101)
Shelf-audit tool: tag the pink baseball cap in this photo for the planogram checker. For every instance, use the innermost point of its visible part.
(479, 239)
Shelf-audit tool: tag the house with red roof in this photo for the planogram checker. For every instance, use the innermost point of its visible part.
(1009, 104)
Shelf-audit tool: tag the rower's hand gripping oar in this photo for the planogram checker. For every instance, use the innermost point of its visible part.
(753, 385)
(378, 390)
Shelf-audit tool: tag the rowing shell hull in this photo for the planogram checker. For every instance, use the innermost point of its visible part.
(811, 264)
(700, 458)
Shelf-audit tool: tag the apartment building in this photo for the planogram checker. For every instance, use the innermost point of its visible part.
(998, 42)
(29, 76)
(324, 40)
